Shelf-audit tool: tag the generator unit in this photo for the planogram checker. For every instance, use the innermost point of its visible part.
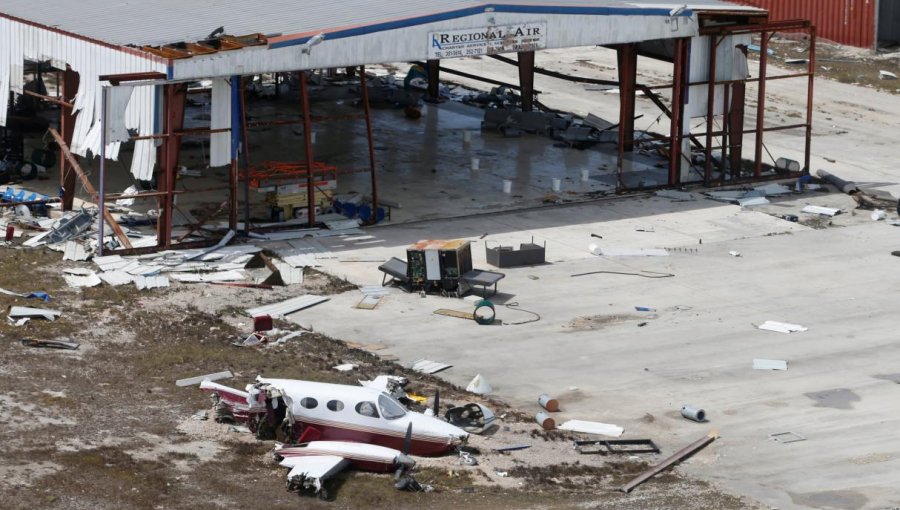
(435, 266)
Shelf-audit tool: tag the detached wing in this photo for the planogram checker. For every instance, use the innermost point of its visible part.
(313, 470)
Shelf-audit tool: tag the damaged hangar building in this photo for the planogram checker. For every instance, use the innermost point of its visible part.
(143, 94)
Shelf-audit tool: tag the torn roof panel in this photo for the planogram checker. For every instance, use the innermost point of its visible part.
(162, 22)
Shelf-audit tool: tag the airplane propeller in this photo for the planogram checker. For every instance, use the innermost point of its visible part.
(437, 402)
(401, 480)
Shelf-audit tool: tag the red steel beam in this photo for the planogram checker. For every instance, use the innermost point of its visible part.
(627, 60)
(526, 79)
(710, 107)
(678, 91)
(175, 97)
(809, 99)
(67, 176)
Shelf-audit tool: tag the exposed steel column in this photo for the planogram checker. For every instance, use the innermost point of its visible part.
(67, 176)
(627, 59)
(809, 98)
(235, 133)
(761, 103)
(678, 92)
(526, 79)
(364, 93)
(307, 144)
(726, 118)
(736, 128)
(433, 68)
(173, 121)
(710, 107)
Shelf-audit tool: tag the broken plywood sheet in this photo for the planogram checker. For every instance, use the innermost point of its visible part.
(769, 364)
(592, 427)
(781, 327)
(279, 310)
(426, 366)
(369, 301)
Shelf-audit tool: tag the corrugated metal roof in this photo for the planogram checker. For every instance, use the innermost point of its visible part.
(283, 308)
(158, 22)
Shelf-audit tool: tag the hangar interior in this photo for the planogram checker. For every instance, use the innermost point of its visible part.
(186, 132)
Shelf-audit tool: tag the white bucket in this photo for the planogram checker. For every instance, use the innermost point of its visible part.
(507, 186)
(467, 136)
(585, 175)
(557, 184)
(475, 163)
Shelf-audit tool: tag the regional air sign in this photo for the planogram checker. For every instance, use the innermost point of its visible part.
(486, 41)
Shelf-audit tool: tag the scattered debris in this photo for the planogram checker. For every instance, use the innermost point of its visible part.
(644, 309)
(512, 448)
(627, 252)
(472, 417)
(346, 367)
(17, 312)
(752, 201)
(781, 327)
(74, 251)
(50, 344)
(370, 301)
(734, 253)
(427, 366)
(545, 421)
(886, 75)
(674, 459)
(769, 364)
(787, 437)
(675, 195)
(479, 386)
(79, 277)
(201, 415)
(190, 381)
(612, 446)
(693, 413)
(878, 215)
(150, 282)
(550, 404)
(279, 310)
(592, 427)
(528, 254)
(824, 211)
(43, 296)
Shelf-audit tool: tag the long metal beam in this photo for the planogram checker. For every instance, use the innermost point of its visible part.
(364, 97)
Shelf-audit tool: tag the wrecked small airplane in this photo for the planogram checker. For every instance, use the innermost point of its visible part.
(325, 428)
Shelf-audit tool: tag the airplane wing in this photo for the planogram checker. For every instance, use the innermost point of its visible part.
(313, 470)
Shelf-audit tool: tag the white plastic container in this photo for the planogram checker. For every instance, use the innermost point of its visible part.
(507, 186)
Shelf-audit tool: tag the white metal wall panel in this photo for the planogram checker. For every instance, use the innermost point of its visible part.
(412, 43)
(20, 42)
(220, 117)
(731, 64)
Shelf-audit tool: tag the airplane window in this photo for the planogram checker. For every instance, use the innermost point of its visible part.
(390, 409)
(367, 409)
(335, 405)
(309, 403)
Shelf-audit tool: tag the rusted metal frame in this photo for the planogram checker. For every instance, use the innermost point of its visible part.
(307, 144)
(235, 140)
(627, 67)
(116, 79)
(526, 79)
(183, 132)
(772, 26)
(677, 457)
(736, 129)
(761, 103)
(101, 204)
(364, 93)
(313, 118)
(67, 177)
(730, 82)
(809, 100)
(678, 92)
(785, 127)
(88, 186)
(49, 99)
(726, 115)
(197, 226)
(433, 68)
(175, 96)
(714, 41)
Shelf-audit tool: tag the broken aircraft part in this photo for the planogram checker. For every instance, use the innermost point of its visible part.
(616, 446)
(677, 457)
(472, 417)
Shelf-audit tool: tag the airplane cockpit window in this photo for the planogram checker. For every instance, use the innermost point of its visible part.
(367, 409)
(309, 402)
(335, 405)
(390, 409)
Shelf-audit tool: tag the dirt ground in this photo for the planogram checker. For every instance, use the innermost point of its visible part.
(105, 426)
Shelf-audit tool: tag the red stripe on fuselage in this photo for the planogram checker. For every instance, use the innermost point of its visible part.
(418, 446)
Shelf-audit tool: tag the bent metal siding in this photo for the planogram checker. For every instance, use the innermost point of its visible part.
(849, 22)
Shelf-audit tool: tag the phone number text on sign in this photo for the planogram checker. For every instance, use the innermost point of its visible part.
(486, 40)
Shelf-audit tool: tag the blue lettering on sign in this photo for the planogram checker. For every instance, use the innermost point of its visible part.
(435, 43)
